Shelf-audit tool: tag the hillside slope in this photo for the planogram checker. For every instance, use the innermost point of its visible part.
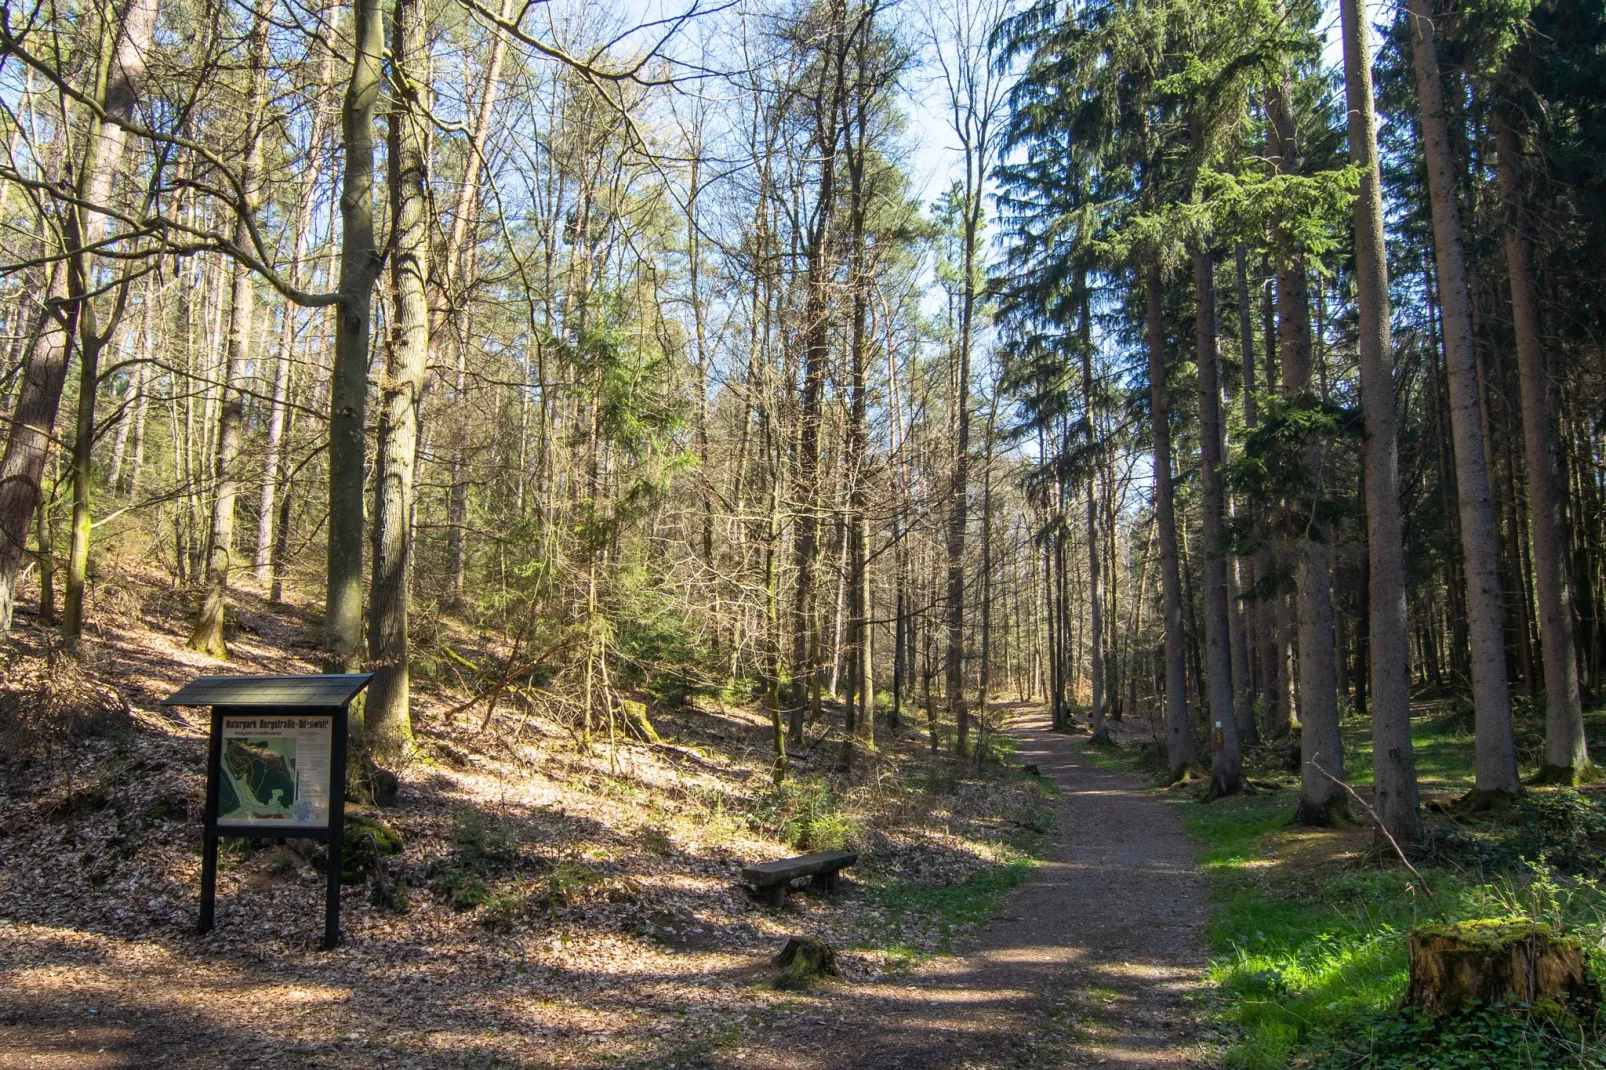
(549, 905)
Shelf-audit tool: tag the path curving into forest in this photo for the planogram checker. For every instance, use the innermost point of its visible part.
(1092, 964)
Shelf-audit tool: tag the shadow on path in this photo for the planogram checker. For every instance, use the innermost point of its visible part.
(1090, 966)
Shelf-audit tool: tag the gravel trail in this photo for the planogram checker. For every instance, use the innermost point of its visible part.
(1090, 966)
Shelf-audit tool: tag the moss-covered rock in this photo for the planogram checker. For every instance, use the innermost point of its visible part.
(367, 839)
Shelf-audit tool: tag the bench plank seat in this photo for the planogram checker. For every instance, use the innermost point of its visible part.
(772, 878)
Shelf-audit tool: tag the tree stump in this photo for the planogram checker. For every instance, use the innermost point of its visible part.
(636, 721)
(804, 960)
(1493, 961)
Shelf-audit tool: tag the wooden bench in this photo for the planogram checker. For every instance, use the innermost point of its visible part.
(772, 878)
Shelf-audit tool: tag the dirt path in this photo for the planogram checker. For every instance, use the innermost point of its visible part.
(1091, 966)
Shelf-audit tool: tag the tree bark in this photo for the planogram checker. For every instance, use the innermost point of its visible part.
(1101, 729)
(1566, 753)
(119, 78)
(207, 635)
(348, 388)
(1387, 634)
(273, 453)
(816, 352)
(1226, 768)
(1179, 732)
(1258, 618)
(388, 715)
(1496, 760)
(1321, 801)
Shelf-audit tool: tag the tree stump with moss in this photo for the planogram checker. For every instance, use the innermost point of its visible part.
(636, 721)
(1493, 961)
(804, 960)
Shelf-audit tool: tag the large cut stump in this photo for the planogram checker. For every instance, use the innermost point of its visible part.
(1493, 961)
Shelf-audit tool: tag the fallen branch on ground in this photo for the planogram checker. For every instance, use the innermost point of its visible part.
(1421, 883)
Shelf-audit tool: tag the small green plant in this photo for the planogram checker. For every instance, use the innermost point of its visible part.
(479, 841)
(656, 840)
(502, 910)
(1479, 1038)
(390, 896)
(567, 882)
(464, 891)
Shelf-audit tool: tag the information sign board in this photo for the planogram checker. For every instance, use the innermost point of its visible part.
(275, 771)
(275, 768)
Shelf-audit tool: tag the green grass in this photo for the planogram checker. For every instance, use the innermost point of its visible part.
(1312, 963)
(942, 911)
(1293, 956)
(1308, 955)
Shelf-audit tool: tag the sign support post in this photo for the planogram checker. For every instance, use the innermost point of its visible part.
(337, 832)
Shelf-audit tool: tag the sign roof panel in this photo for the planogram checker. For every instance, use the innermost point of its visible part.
(325, 690)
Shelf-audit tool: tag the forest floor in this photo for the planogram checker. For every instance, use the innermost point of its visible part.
(557, 905)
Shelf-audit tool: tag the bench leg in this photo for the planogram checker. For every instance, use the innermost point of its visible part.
(775, 894)
(830, 882)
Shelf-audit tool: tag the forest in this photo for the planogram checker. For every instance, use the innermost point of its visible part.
(997, 438)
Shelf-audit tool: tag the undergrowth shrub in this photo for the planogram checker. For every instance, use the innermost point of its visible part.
(1516, 1037)
(1564, 826)
(464, 878)
(807, 814)
(656, 644)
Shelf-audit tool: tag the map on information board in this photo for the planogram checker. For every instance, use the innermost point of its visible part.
(275, 771)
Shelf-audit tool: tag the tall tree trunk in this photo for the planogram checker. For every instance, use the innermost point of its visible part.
(207, 635)
(827, 105)
(1179, 732)
(1566, 758)
(348, 387)
(957, 522)
(1496, 761)
(1321, 742)
(1101, 730)
(119, 77)
(1388, 639)
(388, 715)
(453, 265)
(84, 230)
(284, 363)
(1226, 767)
(1255, 566)
(858, 466)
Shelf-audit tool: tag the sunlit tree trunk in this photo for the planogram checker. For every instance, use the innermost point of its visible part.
(1496, 760)
(284, 362)
(388, 715)
(207, 635)
(348, 390)
(116, 85)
